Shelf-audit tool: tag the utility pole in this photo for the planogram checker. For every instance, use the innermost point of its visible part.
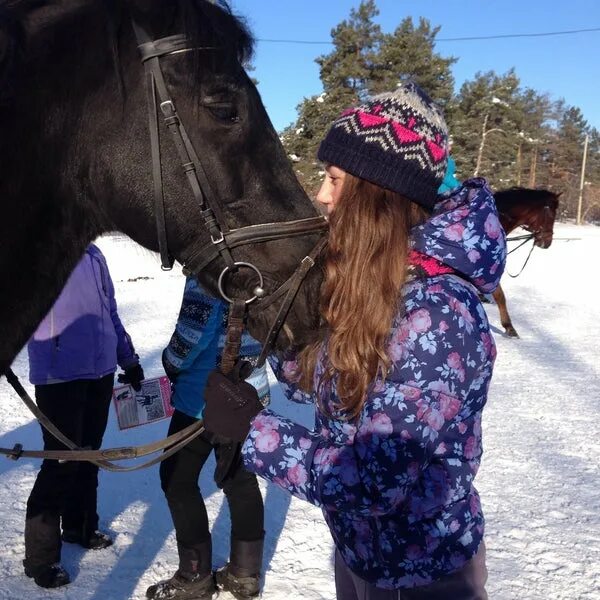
(582, 180)
(519, 164)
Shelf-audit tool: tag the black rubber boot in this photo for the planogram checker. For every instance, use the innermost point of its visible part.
(48, 576)
(192, 581)
(241, 575)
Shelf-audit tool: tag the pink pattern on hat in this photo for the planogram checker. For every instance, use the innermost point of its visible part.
(370, 120)
(437, 151)
(406, 135)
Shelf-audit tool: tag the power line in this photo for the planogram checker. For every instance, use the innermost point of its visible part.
(454, 39)
(517, 35)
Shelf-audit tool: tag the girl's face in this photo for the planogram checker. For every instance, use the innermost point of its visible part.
(331, 188)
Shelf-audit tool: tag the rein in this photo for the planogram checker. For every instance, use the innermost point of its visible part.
(222, 241)
(526, 238)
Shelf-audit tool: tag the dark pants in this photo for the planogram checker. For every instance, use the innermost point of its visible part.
(179, 480)
(66, 489)
(466, 584)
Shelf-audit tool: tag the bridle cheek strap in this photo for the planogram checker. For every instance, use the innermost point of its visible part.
(151, 51)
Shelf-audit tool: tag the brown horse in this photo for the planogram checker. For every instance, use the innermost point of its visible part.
(535, 211)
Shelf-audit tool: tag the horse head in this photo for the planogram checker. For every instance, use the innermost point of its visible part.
(542, 221)
(534, 210)
(248, 180)
(79, 116)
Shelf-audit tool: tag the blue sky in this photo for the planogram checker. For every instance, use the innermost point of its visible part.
(565, 66)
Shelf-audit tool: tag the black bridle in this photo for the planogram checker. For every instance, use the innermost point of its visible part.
(223, 239)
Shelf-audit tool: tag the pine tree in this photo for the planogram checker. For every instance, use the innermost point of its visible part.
(364, 61)
(510, 135)
(591, 205)
(345, 73)
(567, 156)
(408, 53)
(498, 129)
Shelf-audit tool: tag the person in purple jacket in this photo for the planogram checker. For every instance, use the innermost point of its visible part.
(73, 356)
(401, 369)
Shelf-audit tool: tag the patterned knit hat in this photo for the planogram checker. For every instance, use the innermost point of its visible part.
(397, 140)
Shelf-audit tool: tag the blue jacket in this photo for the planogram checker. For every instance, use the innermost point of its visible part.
(196, 346)
(396, 484)
(82, 336)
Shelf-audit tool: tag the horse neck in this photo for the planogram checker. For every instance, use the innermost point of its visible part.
(48, 216)
(66, 61)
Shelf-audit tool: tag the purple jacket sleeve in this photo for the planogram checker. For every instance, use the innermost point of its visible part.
(442, 364)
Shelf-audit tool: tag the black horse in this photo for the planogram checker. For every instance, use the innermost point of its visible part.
(535, 211)
(75, 157)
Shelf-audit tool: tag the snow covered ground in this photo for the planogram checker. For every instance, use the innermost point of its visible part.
(539, 480)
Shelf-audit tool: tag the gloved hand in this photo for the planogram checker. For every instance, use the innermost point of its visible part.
(231, 404)
(133, 375)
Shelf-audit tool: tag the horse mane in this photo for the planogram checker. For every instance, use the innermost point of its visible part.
(214, 24)
(207, 24)
(520, 196)
(20, 22)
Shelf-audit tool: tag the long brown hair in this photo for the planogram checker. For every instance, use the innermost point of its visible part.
(365, 269)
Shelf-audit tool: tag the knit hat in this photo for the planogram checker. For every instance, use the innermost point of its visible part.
(398, 140)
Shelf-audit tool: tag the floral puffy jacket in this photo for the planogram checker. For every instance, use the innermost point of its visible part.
(396, 485)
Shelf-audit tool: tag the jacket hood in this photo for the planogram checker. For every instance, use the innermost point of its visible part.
(465, 234)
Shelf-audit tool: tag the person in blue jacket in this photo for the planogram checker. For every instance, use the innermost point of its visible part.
(400, 372)
(193, 352)
(73, 356)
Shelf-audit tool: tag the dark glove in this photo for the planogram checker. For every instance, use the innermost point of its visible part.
(133, 376)
(231, 403)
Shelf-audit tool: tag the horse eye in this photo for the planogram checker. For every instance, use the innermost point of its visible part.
(224, 112)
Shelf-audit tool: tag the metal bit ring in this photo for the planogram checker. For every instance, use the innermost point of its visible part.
(235, 266)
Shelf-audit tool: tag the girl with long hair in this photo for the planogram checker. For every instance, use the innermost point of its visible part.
(400, 370)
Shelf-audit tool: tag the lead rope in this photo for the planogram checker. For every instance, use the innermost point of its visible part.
(101, 458)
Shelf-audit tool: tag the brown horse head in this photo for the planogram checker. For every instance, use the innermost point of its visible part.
(534, 210)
